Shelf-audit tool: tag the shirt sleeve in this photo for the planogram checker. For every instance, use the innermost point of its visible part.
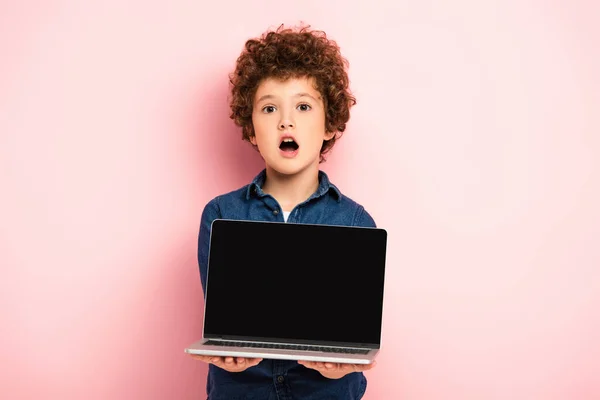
(364, 219)
(209, 214)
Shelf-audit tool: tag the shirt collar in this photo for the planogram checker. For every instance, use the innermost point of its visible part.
(325, 186)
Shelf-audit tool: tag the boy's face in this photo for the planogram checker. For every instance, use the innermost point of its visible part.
(289, 124)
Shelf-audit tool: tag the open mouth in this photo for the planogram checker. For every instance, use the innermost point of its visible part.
(288, 145)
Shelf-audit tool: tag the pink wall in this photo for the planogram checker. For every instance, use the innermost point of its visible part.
(475, 142)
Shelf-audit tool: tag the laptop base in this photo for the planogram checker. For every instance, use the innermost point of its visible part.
(200, 348)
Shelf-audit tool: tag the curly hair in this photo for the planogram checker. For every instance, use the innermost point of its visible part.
(293, 53)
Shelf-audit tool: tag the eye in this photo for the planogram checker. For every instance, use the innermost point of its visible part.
(304, 107)
(268, 109)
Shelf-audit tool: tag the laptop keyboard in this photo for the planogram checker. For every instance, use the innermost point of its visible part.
(339, 350)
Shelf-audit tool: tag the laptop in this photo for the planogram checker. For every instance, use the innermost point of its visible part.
(293, 292)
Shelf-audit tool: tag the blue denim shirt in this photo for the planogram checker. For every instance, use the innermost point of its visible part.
(280, 379)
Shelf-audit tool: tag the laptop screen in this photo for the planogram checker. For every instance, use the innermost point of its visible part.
(295, 283)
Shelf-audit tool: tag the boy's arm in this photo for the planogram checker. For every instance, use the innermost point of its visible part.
(209, 214)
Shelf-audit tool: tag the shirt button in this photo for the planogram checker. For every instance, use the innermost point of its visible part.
(280, 379)
(275, 212)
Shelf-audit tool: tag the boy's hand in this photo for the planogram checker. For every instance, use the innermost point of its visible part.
(335, 370)
(231, 364)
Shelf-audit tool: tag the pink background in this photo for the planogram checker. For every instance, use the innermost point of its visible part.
(475, 143)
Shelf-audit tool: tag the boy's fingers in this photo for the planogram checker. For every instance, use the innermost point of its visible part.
(230, 364)
(364, 367)
(239, 364)
(206, 359)
(218, 361)
(307, 364)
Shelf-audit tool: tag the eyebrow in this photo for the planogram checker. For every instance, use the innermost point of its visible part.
(270, 96)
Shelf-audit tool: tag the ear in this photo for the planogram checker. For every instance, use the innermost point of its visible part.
(253, 139)
(328, 136)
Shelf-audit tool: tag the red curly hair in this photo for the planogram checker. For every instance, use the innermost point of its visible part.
(293, 53)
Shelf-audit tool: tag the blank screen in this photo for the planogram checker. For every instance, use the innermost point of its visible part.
(295, 282)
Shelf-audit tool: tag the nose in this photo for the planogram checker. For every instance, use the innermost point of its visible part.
(285, 124)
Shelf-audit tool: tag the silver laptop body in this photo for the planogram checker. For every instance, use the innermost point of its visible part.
(314, 292)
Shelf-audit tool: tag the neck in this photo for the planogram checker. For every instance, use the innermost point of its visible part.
(291, 190)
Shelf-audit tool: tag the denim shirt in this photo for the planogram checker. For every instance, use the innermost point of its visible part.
(280, 379)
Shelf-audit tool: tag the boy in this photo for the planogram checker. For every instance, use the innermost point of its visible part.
(290, 97)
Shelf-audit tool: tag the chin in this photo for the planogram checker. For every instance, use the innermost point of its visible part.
(289, 168)
(286, 170)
